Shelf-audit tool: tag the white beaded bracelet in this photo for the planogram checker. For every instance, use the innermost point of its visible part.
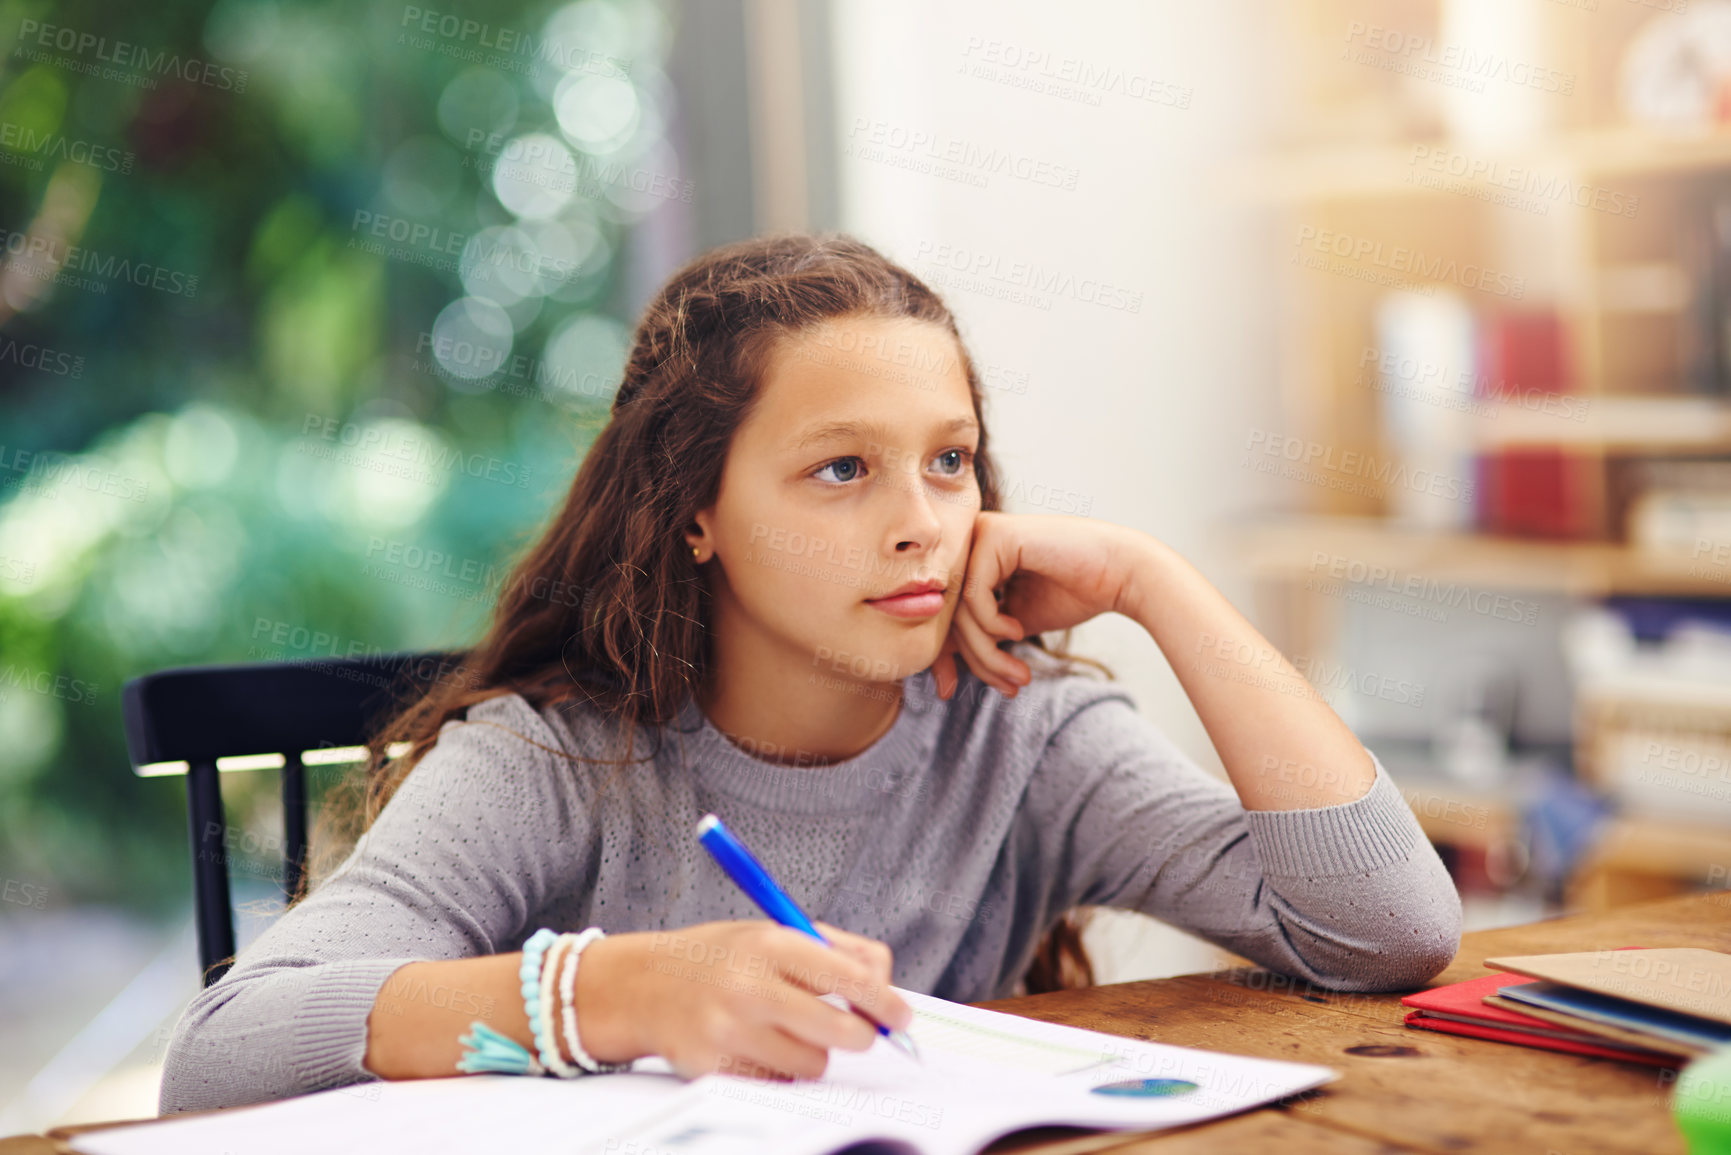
(568, 992)
(543, 1026)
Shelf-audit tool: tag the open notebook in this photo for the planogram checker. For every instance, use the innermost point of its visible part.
(984, 1074)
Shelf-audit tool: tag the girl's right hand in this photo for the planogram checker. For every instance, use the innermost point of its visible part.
(740, 997)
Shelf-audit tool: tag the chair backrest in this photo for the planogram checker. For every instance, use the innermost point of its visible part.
(199, 714)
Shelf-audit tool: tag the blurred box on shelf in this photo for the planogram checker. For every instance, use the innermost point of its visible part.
(1653, 717)
(1657, 758)
(1674, 505)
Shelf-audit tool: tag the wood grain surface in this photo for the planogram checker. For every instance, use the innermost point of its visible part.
(1401, 1090)
(1404, 1089)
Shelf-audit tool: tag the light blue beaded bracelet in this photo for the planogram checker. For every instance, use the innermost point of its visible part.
(486, 1049)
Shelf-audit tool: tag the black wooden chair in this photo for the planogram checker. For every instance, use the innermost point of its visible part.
(183, 721)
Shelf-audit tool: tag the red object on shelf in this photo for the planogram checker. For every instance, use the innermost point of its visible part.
(1536, 493)
(1522, 352)
(1530, 492)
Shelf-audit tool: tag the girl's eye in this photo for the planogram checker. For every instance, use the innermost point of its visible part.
(842, 463)
(964, 457)
(849, 467)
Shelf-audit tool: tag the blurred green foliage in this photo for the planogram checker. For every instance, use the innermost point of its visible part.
(239, 421)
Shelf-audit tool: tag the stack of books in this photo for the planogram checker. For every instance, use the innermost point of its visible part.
(1667, 505)
(1659, 1006)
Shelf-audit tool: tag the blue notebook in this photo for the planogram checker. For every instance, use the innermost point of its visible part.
(1672, 1025)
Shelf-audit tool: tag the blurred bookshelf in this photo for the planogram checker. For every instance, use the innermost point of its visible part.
(1385, 171)
(1285, 550)
(1504, 263)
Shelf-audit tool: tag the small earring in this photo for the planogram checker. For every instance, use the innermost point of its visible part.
(696, 552)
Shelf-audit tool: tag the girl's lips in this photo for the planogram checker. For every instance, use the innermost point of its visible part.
(911, 605)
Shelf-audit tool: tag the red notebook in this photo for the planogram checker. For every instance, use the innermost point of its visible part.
(1458, 1009)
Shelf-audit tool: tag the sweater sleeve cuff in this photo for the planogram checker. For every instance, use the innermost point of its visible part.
(1354, 837)
(330, 1028)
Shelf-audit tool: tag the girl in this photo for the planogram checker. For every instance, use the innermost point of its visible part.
(753, 602)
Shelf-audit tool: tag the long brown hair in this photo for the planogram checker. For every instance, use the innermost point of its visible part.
(609, 607)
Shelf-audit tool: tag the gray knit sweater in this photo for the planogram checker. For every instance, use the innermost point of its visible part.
(958, 838)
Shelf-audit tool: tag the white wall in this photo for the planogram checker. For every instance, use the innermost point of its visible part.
(1144, 412)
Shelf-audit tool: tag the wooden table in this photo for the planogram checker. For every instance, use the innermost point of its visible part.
(1401, 1089)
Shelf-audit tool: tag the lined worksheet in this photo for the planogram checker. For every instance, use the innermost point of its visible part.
(980, 1074)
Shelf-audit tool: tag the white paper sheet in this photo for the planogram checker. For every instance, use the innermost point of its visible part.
(983, 1074)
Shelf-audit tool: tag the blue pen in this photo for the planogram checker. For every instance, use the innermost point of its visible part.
(743, 867)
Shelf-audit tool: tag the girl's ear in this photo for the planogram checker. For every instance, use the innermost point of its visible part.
(699, 536)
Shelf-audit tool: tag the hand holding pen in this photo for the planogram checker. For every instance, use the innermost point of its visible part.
(743, 996)
(745, 870)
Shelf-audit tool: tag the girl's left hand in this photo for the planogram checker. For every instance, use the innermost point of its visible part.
(1052, 571)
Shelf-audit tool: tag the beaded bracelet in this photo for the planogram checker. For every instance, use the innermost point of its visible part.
(537, 1000)
(568, 992)
(488, 1050)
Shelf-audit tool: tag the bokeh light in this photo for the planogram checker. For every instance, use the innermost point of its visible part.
(472, 338)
